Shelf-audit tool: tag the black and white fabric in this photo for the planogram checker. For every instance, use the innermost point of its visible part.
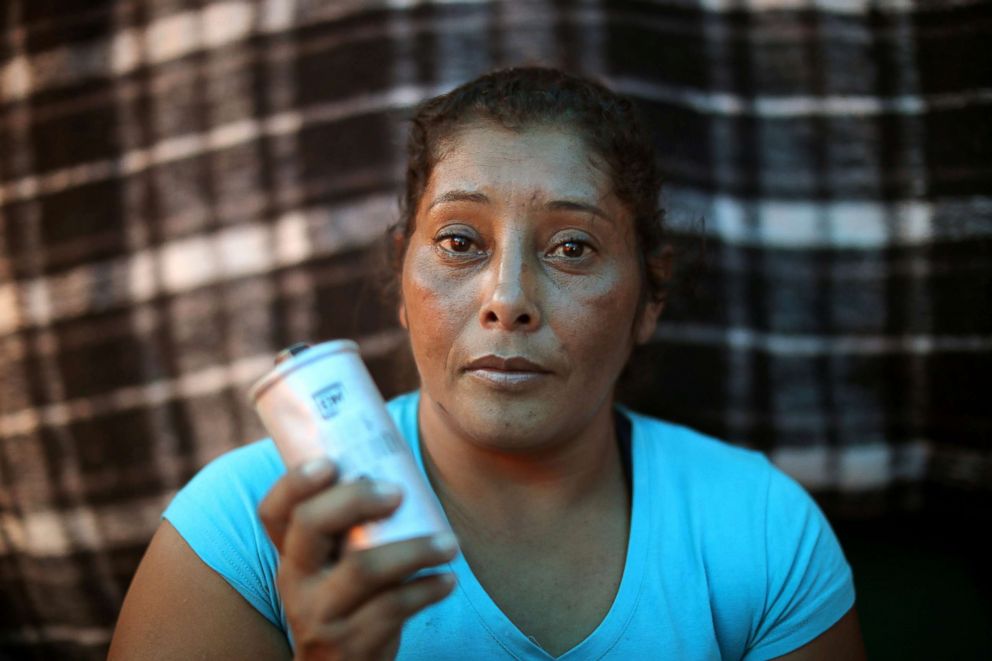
(188, 186)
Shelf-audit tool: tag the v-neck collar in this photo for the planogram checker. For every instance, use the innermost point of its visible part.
(609, 630)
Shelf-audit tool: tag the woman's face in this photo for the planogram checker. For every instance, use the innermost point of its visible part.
(520, 288)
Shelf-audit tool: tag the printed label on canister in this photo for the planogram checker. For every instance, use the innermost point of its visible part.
(329, 399)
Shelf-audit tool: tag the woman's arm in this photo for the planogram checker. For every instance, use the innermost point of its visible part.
(179, 608)
(353, 607)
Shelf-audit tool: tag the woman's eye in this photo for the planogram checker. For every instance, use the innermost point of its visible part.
(571, 249)
(456, 243)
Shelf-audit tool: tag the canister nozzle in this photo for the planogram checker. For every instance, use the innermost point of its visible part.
(291, 351)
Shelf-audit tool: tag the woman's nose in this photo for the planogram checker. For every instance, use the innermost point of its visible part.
(510, 304)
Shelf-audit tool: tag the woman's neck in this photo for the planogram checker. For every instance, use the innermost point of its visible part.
(509, 494)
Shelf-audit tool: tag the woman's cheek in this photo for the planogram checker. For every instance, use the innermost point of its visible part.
(601, 310)
(435, 301)
(606, 293)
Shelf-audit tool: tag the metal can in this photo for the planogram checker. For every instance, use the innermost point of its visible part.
(321, 401)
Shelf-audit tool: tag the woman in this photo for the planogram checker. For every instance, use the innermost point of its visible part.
(530, 263)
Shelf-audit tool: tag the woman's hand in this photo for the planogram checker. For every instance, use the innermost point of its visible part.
(346, 604)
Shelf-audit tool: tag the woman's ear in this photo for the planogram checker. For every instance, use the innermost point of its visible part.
(401, 312)
(660, 266)
(648, 321)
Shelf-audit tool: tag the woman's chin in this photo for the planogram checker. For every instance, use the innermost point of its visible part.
(543, 412)
(506, 423)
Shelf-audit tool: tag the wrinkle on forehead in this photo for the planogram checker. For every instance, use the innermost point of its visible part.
(575, 171)
(561, 180)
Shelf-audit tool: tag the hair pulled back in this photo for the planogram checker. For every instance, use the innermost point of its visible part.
(524, 97)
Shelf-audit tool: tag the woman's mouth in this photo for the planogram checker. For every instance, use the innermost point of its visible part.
(507, 373)
(508, 380)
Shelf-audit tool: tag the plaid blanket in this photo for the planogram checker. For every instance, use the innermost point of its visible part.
(186, 187)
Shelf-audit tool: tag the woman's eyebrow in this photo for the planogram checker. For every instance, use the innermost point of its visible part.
(554, 205)
(459, 196)
(572, 205)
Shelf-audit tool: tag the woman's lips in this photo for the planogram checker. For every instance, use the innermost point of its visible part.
(507, 373)
(507, 379)
(505, 363)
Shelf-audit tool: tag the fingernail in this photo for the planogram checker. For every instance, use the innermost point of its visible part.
(445, 543)
(386, 490)
(316, 469)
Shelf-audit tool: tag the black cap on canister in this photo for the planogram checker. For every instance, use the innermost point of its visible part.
(291, 351)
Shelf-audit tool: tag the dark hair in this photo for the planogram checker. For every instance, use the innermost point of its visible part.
(518, 98)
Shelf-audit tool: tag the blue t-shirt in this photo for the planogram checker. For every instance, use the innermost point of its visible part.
(728, 558)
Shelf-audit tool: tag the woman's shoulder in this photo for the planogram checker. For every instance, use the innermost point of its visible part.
(256, 458)
(687, 449)
(257, 455)
(244, 474)
(756, 527)
(712, 475)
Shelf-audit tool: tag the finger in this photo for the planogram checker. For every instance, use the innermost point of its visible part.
(295, 486)
(362, 574)
(314, 524)
(379, 622)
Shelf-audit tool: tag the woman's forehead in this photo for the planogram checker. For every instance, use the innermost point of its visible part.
(539, 164)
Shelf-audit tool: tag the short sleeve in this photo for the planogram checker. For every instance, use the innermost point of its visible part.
(809, 585)
(216, 513)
